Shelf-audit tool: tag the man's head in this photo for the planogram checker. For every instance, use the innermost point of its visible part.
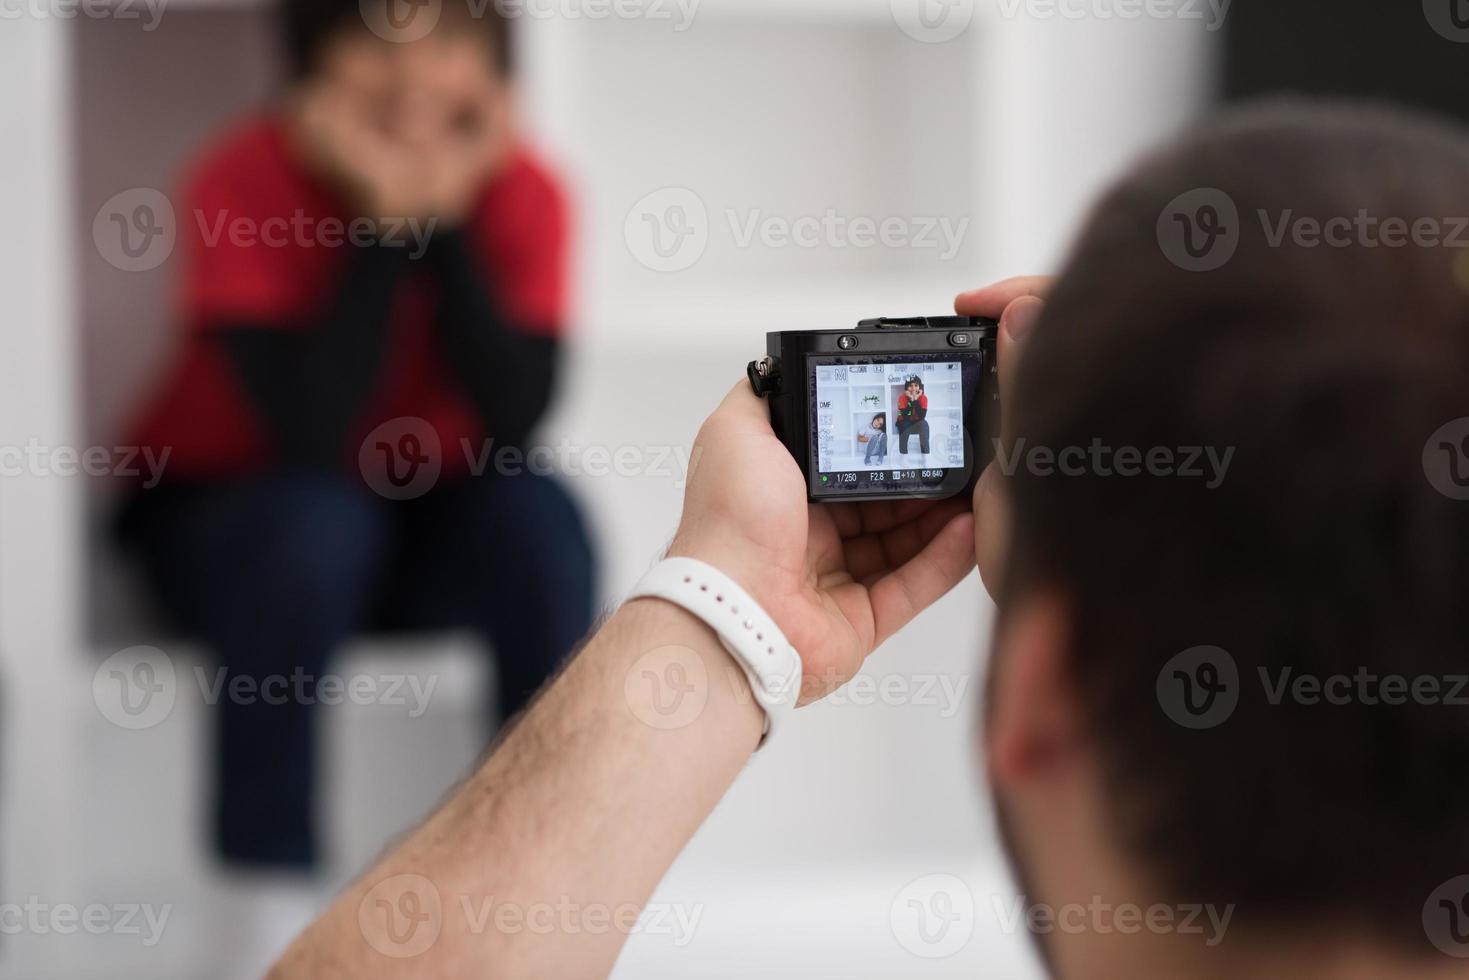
(1254, 503)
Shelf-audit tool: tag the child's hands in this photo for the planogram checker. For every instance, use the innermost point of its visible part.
(405, 135)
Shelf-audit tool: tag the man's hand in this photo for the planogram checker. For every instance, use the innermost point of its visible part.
(838, 579)
(1017, 304)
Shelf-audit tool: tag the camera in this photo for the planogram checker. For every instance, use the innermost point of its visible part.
(895, 408)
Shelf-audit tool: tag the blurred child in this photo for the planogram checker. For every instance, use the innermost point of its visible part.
(436, 321)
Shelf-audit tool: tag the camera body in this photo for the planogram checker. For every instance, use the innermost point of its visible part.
(893, 409)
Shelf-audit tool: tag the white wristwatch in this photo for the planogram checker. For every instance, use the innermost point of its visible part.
(770, 663)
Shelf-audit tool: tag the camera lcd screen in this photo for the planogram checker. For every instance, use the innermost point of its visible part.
(891, 424)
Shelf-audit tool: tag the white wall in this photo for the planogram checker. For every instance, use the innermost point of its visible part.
(41, 670)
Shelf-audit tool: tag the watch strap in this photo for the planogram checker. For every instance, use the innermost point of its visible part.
(769, 662)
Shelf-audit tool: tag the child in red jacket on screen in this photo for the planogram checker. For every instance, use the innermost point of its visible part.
(913, 416)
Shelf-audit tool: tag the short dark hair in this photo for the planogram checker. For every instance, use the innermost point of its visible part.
(306, 25)
(1326, 549)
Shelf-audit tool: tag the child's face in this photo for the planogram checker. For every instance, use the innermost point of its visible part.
(878, 423)
(415, 89)
(912, 391)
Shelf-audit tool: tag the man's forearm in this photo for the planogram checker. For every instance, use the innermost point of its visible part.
(569, 825)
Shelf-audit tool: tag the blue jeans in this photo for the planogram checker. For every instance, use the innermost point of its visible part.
(876, 446)
(277, 573)
(905, 431)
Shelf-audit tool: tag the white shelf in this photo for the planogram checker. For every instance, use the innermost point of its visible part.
(819, 10)
(739, 315)
(849, 11)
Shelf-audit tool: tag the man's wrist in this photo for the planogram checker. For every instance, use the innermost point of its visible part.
(751, 571)
(757, 644)
(675, 675)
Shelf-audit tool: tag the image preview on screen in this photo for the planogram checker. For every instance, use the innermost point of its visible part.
(865, 424)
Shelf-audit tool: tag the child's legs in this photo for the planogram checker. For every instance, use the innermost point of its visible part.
(874, 448)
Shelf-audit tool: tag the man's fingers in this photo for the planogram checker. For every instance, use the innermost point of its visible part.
(872, 552)
(991, 505)
(1016, 303)
(923, 580)
(992, 527)
(992, 300)
(905, 542)
(1016, 323)
(742, 402)
(878, 516)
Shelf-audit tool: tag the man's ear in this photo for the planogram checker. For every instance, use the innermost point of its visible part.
(1034, 722)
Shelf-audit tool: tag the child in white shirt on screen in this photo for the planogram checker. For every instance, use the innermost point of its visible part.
(875, 435)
